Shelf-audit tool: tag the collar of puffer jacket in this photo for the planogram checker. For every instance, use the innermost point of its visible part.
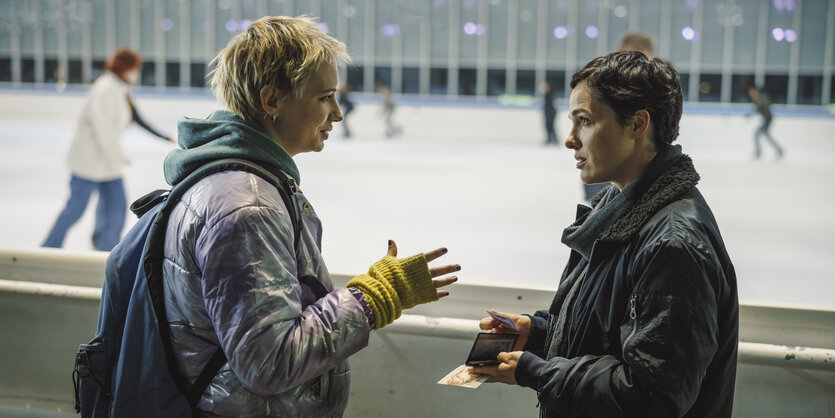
(671, 183)
(224, 135)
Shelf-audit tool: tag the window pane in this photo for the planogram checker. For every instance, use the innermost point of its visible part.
(809, 89)
(440, 32)
(739, 87)
(813, 35)
(198, 74)
(587, 32)
(683, 35)
(356, 78)
(5, 69)
(526, 42)
(466, 81)
(745, 35)
(354, 12)
(172, 74)
(557, 80)
(385, 31)
(496, 82)
(778, 49)
(497, 32)
(148, 76)
(438, 81)
(526, 82)
(560, 33)
(469, 31)
(411, 80)
(777, 87)
(710, 87)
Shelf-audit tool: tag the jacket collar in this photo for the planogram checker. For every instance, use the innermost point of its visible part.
(666, 188)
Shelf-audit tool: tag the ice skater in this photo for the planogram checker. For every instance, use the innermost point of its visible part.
(392, 129)
(347, 106)
(762, 104)
(550, 112)
(96, 156)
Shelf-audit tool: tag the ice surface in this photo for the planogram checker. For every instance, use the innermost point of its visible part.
(475, 179)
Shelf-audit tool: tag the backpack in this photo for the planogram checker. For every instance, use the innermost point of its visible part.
(128, 369)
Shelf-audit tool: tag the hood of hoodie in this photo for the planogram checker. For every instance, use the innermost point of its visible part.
(224, 135)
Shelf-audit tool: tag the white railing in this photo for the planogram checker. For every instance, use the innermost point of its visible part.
(49, 303)
(458, 328)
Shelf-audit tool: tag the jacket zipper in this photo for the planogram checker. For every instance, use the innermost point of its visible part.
(633, 314)
(576, 295)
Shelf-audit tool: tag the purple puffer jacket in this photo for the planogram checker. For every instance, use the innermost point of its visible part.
(230, 276)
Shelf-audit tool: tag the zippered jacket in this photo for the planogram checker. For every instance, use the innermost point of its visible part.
(653, 326)
(231, 280)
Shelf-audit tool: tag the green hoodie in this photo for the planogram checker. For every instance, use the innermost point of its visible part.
(224, 135)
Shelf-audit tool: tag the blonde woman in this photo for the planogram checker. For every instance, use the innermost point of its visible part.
(232, 274)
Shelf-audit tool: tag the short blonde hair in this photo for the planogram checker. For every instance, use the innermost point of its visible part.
(277, 51)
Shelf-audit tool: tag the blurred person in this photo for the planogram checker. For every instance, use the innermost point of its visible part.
(549, 110)
(762, 104)
(346, 105)
(636, 41)
(392, 129)
(632, 41)
(96, 156)
(644, 322)
(233, 277)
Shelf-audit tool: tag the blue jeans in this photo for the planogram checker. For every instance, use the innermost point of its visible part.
(110, 212)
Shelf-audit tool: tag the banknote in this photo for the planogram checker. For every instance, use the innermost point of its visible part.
(462, 378)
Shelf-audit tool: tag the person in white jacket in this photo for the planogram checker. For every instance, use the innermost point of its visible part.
(96, 156)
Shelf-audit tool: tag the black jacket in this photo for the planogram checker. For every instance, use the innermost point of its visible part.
(654, 324)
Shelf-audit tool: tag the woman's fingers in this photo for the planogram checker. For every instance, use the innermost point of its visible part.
(445, 281)
(434, 254)
(392, 248)
(440, 271)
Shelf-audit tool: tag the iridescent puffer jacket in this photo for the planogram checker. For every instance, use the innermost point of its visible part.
(230, 280)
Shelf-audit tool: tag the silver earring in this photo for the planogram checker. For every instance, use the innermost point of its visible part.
(274, 116)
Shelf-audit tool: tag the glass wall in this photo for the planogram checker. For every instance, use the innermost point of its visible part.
(443, 47)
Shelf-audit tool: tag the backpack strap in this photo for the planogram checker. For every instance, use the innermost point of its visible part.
(153, 255)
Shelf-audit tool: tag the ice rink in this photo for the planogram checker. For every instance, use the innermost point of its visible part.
(473, 177)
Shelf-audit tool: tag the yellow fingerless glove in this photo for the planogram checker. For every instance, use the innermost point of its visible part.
(393, 284)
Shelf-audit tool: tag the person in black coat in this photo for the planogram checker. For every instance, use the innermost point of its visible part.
(347, 106)
(549, 110)
(762, 103)
(645, 320)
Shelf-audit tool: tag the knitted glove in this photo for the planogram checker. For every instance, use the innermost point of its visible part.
(393, 284)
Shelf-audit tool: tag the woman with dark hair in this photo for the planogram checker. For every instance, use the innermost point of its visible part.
(645, 320)
(96, 157)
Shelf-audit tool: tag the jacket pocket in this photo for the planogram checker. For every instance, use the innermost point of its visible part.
(338, 388)
(91, 380)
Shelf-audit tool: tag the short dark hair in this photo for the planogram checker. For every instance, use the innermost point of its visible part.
(628, 81)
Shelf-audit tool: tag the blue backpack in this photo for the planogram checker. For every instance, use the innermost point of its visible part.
(128, 369)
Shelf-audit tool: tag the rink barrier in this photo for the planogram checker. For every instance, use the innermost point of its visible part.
(809, 358)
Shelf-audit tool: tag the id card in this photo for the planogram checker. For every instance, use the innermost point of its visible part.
(507, 322)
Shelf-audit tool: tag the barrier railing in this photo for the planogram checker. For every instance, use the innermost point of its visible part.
(457, 328)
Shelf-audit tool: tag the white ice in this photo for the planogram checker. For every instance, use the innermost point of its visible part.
(475, 179)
